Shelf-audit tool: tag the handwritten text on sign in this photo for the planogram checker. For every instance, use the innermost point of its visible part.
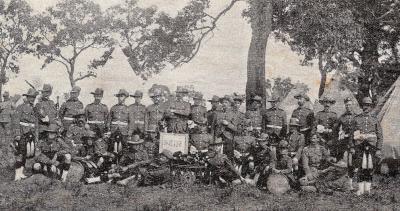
(174, 142)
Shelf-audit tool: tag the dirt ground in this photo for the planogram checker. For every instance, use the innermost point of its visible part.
(41, 193)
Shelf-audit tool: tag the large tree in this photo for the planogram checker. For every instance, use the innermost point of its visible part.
(17, 36)
(70, 29)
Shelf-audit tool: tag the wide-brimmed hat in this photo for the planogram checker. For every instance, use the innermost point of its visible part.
(367, 101)
(327, 99)
(226, 97)
(52, 128)
(294, 122)
(135, 140)
(31, 93)
(75, 89)
(237, 97)
(46, 88)
(122, 92)
(137, 93)
(215, 98)
(98, 92)
(257, 98)
(302, 95)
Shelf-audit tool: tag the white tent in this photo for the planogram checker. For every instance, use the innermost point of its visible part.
(290, 103)
(389, 115)
(336, 90)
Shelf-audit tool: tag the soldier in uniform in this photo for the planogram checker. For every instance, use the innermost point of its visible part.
(76, 131)
(25, 130)
(326, 125)
(227, 122)
(46, 108)
(296, 142)
(69, 108)
(367, 145)
(283, 164)
(274, 120)
(212, 115)
(237, 103)
(137, 113)
(52, 156)
(177, 114)
(96, 113)
(304, 115)
(254, 116)
(118, 119)
(158, 171)
(198, 115)
(155, 112)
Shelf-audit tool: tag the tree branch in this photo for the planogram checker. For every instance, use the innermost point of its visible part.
(90, 74)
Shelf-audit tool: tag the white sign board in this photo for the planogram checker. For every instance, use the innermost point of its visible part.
(174, 142)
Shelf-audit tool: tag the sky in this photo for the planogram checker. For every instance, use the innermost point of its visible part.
(219, 68)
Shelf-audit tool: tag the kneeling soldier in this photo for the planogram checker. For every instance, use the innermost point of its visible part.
(52, 155)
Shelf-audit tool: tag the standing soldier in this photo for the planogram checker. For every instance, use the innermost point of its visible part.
(155, 113)
(237, 102)
(304, 115)
(198, 114)
(212, 115)
(254, 117)
(227, 126)
(178, 113)
(274, 120)
(326, 124)
(46, 108)
(119, 118)
(6, 113)
(70, 107)
(26, 120)
(367, 144)
(96, 113)
(137, 113)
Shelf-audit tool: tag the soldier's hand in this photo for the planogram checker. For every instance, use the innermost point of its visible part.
(276, 171)
(224, 122)
(352, 150)
(53, 168)
(17, 138)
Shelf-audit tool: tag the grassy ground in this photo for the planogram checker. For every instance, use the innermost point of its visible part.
(40, 193)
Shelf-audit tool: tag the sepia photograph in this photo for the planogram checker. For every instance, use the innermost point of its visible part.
(199, 105)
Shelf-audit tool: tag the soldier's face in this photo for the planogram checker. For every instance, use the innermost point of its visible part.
(300, 101)
(98, 98)
(74, 94)
(214, 104)
(367, 108)
(256, 104)
(284, 152)
(121, 99)
(197, 101)
(30, 99)
(51, 136)
(138, 99)
(238, 103)
(46, 94)
(156, 99)
(226, 104)
(273, 104)
(314, 139)
(348, 105)
(327, 106)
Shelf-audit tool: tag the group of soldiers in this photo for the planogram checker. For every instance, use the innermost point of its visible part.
(240, 142)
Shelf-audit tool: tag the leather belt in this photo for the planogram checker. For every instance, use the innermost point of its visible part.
(95, 122)
(304, 129)
(27, 124)
(69, 118)
(120, 123)
(274, 126)
(139, 122)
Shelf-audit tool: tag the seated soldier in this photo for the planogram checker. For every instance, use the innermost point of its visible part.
(283, 163)
(244, 154)
(75, 132)
(52, 155)
(296, 142)
(156, 172)
(319, 176)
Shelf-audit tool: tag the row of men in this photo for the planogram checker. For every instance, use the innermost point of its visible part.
(224, 121)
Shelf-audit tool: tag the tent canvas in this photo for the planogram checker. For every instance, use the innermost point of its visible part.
(389, 116)
(289, 104)
(339, 92)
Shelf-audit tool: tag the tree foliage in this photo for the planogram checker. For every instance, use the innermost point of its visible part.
(17, 35)
(70, 29)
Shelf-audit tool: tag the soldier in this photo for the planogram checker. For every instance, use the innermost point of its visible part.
(283, 164)
(254, 116)
(296, 142)
(118, 119)
(198, 115)
(52, 155)
(212, 115)
(227, 122)
(237, 103)
(70, 107)
(46, 108)
(76, 131)
(274, 120)
(96, 113)
(177, 114)
(7, 108)
(25, 130)
(137, 113)
(325, 123)
(304, 115)
(158, 171)
(155, 112)
(314, 157)
(367, 145)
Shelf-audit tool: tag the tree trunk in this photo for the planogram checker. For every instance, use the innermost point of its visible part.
(261, 23)
(322, 83)
(71, 75)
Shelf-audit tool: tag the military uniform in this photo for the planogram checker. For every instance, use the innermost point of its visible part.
(119, 119)
(96, 116)
(67, 111)
(46, 109)
(254, 118)
(137, 113)
(313, 157)
(344, 129)
(227, 132)
(177, 119)
(154, 116)
(198, 115)
(212, 121)
(296, 144)
(274, 122)
(6, 119)
(306, 121)
(326, 124)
